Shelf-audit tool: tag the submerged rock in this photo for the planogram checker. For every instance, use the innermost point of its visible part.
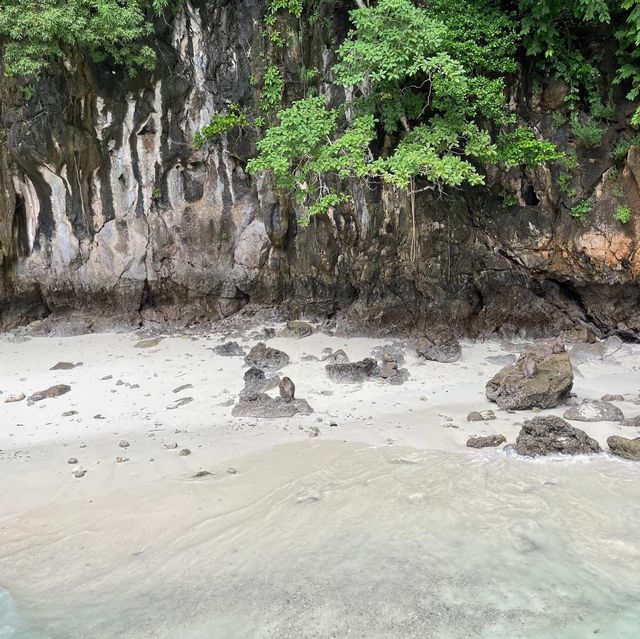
(594, 410)
(266, 358)
(550, 435)
(549, 386)
(229, 349)
(440, 346)
(261, 405)
(351, 372)
(48, 393)
(624, 447)
(486, 442)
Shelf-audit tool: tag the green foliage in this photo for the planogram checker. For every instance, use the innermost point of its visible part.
(435, 73)
(293, 7)
(565, 185)
(508, 199)
(586, 131)
(272, 88)
(36, 32)
(221, 123)
(623, 214)
(559, 119)
(582, 209)
(621, 149)
(520, 148)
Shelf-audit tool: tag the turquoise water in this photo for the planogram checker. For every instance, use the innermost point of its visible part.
(332, 541)
(12, 626)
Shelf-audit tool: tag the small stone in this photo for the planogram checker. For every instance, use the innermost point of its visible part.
(481, 416)
(147, 343)
(594, 411)
(171, 446)
(79, 473)
(121, 460)
(231, 471)
(184, 452)
(72, 460)
(99, 416)
(62, 366)
(314, 431)
(183, 401)
(229, 349)
(612, 398)
(625, 447)
(183, 387)
(202, 473)
(485, 442)
(69, 413)
(106, 377)
(123, 443)
(48, 393)
(15, 397)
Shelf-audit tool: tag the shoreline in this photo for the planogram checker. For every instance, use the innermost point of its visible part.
(125, 394)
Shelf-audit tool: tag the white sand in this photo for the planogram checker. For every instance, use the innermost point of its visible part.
(56, 530)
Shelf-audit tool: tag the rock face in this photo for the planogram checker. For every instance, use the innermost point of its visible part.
(551, 435)
(266, 358)
(594, 411)
(107, 208)
(624, 447)
(351, 372)
(549, 386)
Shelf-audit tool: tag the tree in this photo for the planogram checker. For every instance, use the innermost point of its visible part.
(35, 32)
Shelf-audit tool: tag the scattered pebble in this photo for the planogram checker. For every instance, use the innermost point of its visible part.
(123, 443)
(72, 460)
(184, 452)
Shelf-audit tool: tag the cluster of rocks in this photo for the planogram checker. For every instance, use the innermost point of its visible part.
(253, 401)
(385, 365)
(541, 378)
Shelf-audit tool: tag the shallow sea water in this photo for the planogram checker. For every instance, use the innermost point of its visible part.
(338, 540)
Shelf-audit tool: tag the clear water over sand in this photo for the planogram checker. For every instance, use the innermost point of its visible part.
(329, 539)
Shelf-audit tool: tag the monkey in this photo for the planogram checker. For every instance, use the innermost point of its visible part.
(287, 389)
(530, 367)
(558, 346)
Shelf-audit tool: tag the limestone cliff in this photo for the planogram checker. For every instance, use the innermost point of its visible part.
(106, 207)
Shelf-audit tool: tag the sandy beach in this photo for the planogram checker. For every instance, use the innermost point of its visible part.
(173, 482)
